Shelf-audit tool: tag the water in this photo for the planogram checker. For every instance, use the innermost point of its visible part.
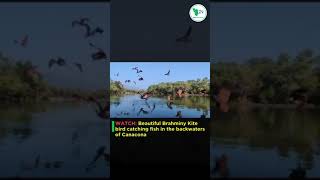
(267, 142)
(70, 133)
(129, 107)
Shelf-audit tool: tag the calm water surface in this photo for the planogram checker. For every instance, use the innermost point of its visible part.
(267, 142)
(129, 106)
(65, 132)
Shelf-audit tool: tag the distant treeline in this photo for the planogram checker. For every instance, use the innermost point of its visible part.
(271, 80)
(117, 88)
(191, 87)
(22, 82)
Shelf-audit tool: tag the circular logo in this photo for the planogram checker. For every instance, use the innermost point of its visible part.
(198, 13)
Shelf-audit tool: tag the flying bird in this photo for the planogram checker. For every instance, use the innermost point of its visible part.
(168, 73)
(81, 22)
(127, 81)
(145, 95)
(79, 66)
(59, 61)
(23, 42)
(37, 162)
(99, 54)
(186, 37)
(153, 108)
(179, 114)
(89, 31)
(140, 79)
(93, 32)
(101, 111)
(101, 152)
(143, 111)
(169, 105)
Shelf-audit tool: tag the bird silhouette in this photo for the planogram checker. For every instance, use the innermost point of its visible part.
(99, 54)
(101, 152)
(84, 22)
(79, 66)
(168, 73)
(101, 111)
(142, 111)
(59, 61)
(169, 105)
(145, 95)
(37, 162)
(186, 37)
(204, 115)
(140, 79)
(23, 42)
(80, 22)
(179, 114)
(117, 74)
(148, 105)
(153, 108)
(127, 81)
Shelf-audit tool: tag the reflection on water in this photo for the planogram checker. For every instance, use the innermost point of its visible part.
(52, 140)
(267, 142)
(131, 106)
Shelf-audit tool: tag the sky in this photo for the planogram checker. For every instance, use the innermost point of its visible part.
(153, 72)
(146, 29)
(51, 35)
(243, 30)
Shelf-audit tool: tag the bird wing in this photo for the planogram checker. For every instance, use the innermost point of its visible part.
(88, 29)
(51, 62)
(61, 61)
(188, 33)
(24, 41)
(84, 20)
(99, 30)
(99, 105)
(79, 66)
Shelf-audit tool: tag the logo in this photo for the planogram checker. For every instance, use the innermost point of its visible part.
(198, 13)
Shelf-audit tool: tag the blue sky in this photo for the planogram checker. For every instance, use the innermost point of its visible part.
(153, 72)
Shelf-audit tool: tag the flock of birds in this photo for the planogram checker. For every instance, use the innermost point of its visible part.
(101, 110)
(98, 54)
(139, 76)
(146, 95)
